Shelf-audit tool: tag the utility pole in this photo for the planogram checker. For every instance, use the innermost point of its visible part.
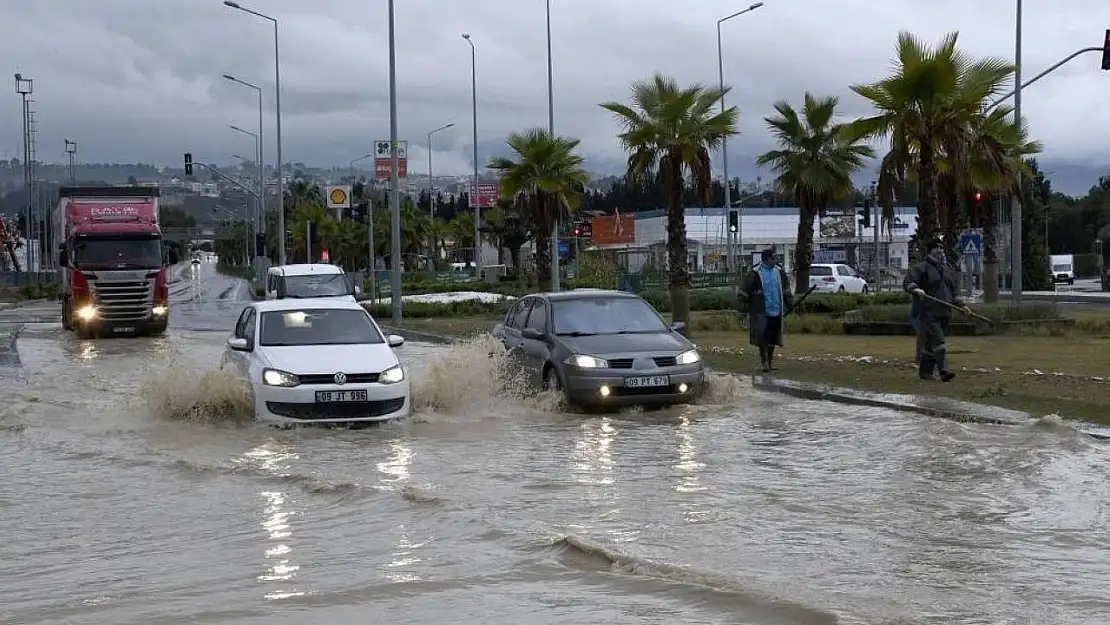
(71, 151)
(1015, 212)
(25, 87)
(877, 277)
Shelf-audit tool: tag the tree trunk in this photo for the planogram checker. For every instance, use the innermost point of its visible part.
(990, 256)
(500, 254)
(677, 269)
(803, 248)
(514, 257)
(543, 250)
(927, 205)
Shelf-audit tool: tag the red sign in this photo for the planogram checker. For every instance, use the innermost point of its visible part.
(487, 195)
(385, 170)
(325, 257)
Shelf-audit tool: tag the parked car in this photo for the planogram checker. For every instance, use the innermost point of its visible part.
(320, 361)
(830, 278)
(601, 348)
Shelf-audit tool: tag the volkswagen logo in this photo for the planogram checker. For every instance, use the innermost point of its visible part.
(341, 378)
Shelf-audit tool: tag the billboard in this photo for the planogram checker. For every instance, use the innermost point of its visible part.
(487, 195)
(383, 159)
(838, 226)
(614, 229)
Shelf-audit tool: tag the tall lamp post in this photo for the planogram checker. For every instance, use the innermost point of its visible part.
(25, 87)
(724, 142)
(474, 191)
(354, 174)
(277, 113)
(431, 185)
(394, 178)
(1015, 212)
(555, 277)
(71, 152)
(260, 150)
(258, 199)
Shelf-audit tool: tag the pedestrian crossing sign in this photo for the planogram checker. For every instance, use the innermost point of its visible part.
(971, 245)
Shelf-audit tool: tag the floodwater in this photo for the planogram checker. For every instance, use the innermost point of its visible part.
(135, 494)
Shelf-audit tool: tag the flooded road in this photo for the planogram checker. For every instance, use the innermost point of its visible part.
(132, 495)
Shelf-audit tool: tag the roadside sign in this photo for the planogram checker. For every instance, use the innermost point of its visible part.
(971, 244)
(486, 196)
(339, 196)
(383, 159)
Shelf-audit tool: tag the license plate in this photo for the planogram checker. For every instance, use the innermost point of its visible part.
(123, 329)
(654, 380)
(331, 397)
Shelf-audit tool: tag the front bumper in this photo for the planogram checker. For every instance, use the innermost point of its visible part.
(151, 323)
(386, 402)
(584, 386)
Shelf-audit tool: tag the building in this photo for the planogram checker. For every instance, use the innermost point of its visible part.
(638, 240)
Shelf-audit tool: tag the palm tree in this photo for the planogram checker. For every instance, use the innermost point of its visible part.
(669, 131)
(929, 102)
(814, 163)
(545, 180)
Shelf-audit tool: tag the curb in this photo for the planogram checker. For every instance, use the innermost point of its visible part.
(941, 408)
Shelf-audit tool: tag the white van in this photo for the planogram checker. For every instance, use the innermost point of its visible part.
(1063, 268)
(309, 281)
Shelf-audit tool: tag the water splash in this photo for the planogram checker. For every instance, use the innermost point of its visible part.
(198, 396)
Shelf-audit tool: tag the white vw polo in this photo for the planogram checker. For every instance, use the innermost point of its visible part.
(318, 361)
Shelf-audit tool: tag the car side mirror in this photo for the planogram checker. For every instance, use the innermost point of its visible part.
(498, 330)
(395, 340)
(239, 344)
(358, 290)
(532, 334)
(679, 327)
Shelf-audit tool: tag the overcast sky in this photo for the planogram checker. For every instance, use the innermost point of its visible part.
(140, 80)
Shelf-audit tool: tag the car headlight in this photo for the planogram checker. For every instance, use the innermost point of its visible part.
(587, 362)
(276, 377)
(392, 375)
(688, 358)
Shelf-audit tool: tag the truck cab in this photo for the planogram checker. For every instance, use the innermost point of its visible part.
(114, 277)
(310, 280)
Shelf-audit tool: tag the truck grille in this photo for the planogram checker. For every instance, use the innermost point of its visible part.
(123, 300)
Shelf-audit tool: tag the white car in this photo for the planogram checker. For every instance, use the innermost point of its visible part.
(313, 280)
(318, 361)
(829, 278)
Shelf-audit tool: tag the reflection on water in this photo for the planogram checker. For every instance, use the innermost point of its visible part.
(593, 459)
(280, 569)
(395, 468)
(689, 468)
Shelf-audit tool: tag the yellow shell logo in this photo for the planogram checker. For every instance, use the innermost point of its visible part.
(338, 196)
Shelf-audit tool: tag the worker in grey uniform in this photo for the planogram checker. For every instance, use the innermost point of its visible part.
(935, 286)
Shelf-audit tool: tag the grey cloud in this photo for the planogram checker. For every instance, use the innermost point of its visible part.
(140, 80)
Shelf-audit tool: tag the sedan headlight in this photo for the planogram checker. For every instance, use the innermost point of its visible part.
(587, 362)
(688, 358)
(392, 375)
(276, 377)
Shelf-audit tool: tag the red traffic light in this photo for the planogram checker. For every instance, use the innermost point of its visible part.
(978, 196)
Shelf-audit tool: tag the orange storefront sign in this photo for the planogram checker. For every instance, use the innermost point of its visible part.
(614, 229)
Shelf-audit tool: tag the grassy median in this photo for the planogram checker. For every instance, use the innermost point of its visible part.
(1055, 371)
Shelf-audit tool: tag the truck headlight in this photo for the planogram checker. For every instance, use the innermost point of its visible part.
(587, 362)
(276, 377)
(160, 310)
(392, 375)
(86, 313)
(688, 358)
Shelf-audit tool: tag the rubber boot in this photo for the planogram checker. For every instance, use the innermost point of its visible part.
(764, 359)
(771, 358)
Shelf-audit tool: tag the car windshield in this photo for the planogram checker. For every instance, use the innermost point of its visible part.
(317, 327)
(317, 285)
(605, 315)
(1060, 267)
(117, 253)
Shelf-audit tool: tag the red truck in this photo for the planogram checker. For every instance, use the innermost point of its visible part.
(114, 279)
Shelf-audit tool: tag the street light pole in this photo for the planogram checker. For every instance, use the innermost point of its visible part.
(277, 114)
(25, 87)
(431, 186)
(71, 151)
(1015, 212)
(260, 219)
(555, 274)
(257, 149)
(724, 145)
(394, 178)
(474, 192)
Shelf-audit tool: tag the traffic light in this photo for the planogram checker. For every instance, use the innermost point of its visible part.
(734, 221)
(260, 244)
(188, 164)
(1106, 51)
(865, 214)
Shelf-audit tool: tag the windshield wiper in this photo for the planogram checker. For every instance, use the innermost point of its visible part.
(576, 334)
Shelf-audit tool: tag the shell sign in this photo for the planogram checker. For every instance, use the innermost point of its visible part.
(339, 196)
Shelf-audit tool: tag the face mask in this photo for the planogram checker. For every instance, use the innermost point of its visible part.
(937, 255)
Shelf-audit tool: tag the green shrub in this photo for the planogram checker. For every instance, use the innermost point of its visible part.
(425, 310)
(1032, 311)
(48, 290)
